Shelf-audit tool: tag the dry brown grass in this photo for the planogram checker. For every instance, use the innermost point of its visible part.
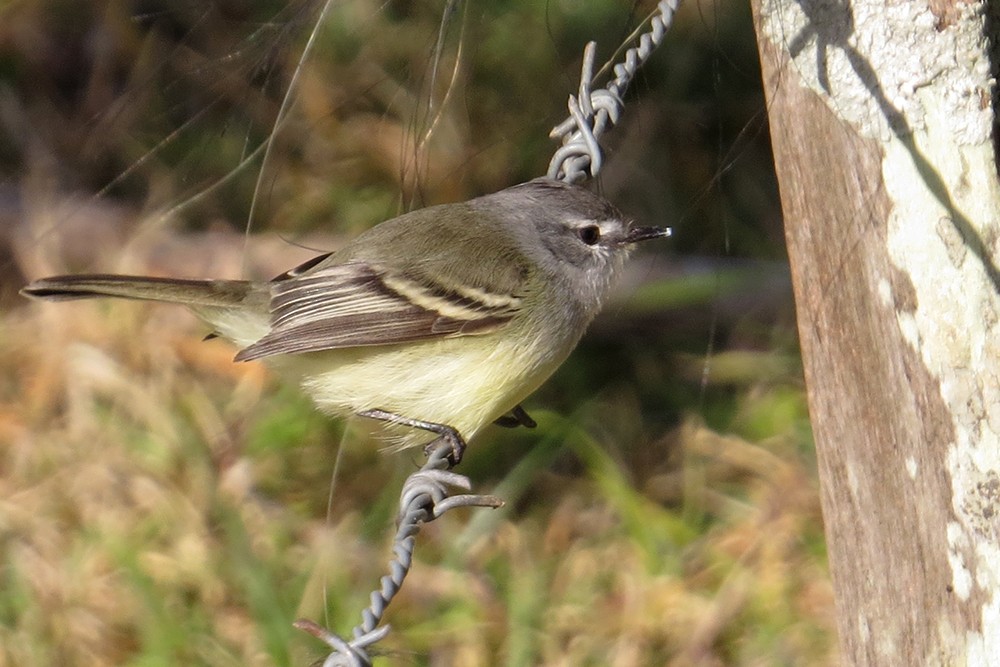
(161, 505)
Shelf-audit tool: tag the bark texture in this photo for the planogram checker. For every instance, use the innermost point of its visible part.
(889, 192)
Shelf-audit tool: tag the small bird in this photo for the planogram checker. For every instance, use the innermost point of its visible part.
(442, 320)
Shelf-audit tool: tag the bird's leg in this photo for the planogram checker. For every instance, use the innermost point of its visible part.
(448, 433)
(516, 417)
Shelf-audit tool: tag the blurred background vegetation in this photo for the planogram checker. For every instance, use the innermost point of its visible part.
(160, 505)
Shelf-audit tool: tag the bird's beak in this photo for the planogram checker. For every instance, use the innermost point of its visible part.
(637, 234)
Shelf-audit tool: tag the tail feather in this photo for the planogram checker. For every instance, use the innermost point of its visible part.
(236, 309)
(211, 293)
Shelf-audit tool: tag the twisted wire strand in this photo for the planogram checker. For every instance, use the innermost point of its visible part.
(425, 497)
(592, 112)
(425, 494)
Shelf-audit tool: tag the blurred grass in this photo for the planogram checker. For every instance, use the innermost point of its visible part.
(160, 505)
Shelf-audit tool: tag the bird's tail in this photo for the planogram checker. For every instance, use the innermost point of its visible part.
(238, 309)
(220, 293)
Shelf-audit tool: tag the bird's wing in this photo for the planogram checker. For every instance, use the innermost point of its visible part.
(358, 303)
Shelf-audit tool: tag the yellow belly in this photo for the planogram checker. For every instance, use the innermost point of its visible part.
(465, 382)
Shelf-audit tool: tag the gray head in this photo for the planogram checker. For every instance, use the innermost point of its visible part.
(577, 237)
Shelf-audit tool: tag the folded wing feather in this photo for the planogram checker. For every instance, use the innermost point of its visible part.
(359, 304)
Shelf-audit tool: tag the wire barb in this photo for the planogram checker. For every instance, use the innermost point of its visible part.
(345, 654)
(425, 497)
(592, 112)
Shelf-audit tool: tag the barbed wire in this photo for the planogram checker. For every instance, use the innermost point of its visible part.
(425, 494)
(592, 112)
(425, 497)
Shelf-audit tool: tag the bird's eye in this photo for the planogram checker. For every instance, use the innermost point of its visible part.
(589, 234)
